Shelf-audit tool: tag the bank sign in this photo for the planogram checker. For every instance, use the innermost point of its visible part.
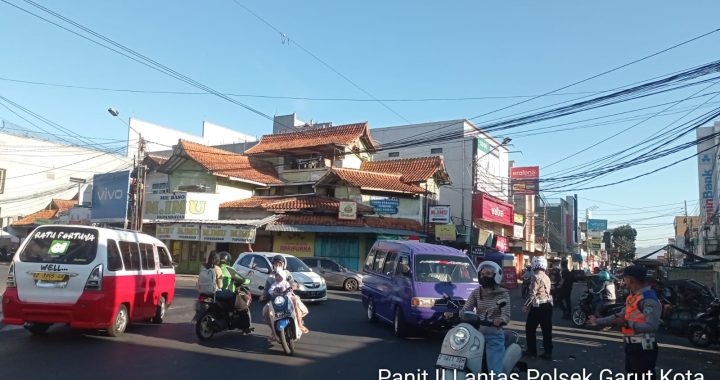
(706, 153)
(181, 206)
(110, 197)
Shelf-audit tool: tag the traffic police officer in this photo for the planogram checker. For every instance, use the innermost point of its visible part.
(639, 321)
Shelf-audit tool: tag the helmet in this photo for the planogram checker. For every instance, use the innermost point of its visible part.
(637, 271)
(224, 257)
(604, 276)
(279, 258)
(539, 262)
(494, 267)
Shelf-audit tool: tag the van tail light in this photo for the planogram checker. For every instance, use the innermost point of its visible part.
(10, 283)
(94, 281)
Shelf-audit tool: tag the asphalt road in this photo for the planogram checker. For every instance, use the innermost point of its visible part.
(341, 345)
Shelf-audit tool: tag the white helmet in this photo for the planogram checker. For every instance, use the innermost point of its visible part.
(494, 267)
(539, 262)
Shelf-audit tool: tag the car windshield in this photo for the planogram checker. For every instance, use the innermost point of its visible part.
(442, 268)
(296, 265)
(61, 245)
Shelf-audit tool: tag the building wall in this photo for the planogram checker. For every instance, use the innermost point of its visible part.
(191, 173)
(32, 179)
(458, 155)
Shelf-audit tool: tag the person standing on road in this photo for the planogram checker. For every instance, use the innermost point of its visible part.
(566, 289)
(639, 320)
(540, 307)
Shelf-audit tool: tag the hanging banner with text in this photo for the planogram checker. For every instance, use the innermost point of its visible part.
(219, 233)
(440, 214)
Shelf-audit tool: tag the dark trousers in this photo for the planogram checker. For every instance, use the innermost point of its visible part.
(565, 296)
(640, 361)
(542, 316)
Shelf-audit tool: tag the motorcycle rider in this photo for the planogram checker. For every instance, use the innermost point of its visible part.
(279, 264)
(605, 295)
(484, 301)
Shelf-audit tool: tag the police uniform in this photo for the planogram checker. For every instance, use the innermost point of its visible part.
(642, 315)
(541, 311)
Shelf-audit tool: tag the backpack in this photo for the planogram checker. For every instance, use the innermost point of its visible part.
(206, 283)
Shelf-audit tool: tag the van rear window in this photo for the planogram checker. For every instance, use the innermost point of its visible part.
(441, 268)
(61, 245)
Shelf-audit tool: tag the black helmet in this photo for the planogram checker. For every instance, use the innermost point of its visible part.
(636, 271)
(224, 257)
(278, 258)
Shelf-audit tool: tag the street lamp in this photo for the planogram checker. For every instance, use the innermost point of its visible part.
(137, 212)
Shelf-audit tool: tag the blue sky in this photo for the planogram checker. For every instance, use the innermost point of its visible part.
(399, 49)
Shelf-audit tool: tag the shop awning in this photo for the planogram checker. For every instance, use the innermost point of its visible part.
(339, 229)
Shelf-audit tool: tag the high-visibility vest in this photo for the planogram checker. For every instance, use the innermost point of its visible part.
(227, 278)
(633, 312)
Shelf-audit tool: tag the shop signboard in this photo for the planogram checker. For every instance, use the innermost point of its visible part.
(439, 214)
(706, 156)
(181, 206)
(525, 180)
(297, 244)
(445, 232)
(510, 279)
(110, 197)
(386, 206)
(519, 218)
(347, 210)
(518, 232)
(491, 209)
(501, 243)
(597, 224)
(218, 233)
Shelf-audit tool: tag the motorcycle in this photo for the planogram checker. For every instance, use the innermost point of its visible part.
(584, 310)
(463, 347)
(285, 322)
(213, 315)
(705, 329)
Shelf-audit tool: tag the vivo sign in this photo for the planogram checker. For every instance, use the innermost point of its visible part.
(110, 197)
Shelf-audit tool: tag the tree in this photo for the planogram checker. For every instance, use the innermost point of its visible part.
(624, 240)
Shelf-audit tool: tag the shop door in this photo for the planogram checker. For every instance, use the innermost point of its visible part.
(344, 250)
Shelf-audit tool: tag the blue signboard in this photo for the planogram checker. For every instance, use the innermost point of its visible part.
(388, 206)
(597, 224)
(110, 197)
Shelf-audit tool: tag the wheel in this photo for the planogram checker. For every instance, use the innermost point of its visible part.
(350, 285)
(399, 326)
(286, 343)
(120, 322)
(204, 327)
(371, 311)
(699, 336)
(579, 318)
(38, 328)
(160, 311)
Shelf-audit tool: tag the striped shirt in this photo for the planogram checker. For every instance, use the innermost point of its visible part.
(483, 301)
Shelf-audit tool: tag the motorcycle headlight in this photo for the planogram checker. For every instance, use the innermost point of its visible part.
(279, 301)
(459, 338)
(476, 345)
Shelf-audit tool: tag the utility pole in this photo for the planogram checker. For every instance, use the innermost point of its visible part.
(546, 242)
(139, 186)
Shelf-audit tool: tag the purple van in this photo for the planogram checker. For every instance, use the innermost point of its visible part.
(404, 283)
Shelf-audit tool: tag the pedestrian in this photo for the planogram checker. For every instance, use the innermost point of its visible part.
(566, 289)
(556, 283)
(539, 307)
(639, 320)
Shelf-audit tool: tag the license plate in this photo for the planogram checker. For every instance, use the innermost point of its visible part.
(49, 277)
(451, 362)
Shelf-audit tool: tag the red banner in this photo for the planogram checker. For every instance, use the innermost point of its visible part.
(501, 243)
(525, 172)
(491, 209)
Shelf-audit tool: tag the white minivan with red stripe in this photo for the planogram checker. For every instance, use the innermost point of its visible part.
(89, 278)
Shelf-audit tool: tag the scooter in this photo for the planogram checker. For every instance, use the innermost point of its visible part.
(285, 322)
(584, 310)
(213, 315)
(705, 329)
(463, 348)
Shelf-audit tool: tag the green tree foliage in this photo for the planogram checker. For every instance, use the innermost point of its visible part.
(624, 240)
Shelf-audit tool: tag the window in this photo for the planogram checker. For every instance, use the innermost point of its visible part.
(436, 151)
(61, 245)
(379, 261)
(261, 263)
(394, 154)
(389, 267)
(245, 261)
(370, 260)
(147, 256)
(329, 265)
(311, 262)
(443, 268)
(159, 188)
(403, 260)
(113, 256)
(296, 265)
(165, 259)
(130, 255)
(2, 180)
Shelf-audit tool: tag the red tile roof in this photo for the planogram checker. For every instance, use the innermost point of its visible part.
(291, 203)
(63, 204)
(32, 218)
(376, 181)
(368, 221)
(413, 170)
(222, 162)
(342, 135)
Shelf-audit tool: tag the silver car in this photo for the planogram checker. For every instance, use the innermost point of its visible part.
(335, 275)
